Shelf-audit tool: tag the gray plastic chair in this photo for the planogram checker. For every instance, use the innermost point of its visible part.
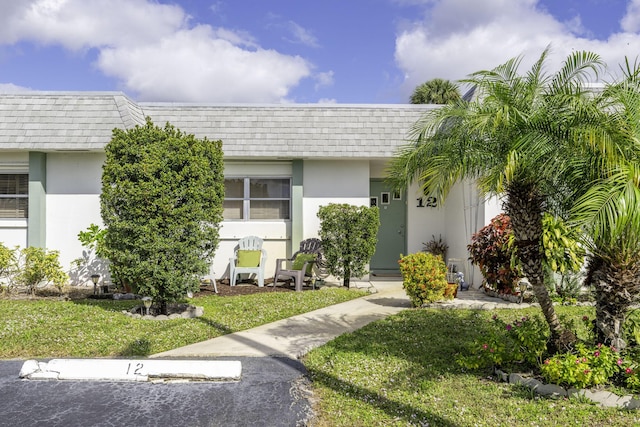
(309, 246)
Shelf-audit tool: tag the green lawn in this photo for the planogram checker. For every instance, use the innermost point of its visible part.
(401, 371)
(97, 328)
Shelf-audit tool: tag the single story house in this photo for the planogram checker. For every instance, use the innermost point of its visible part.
(305, 155)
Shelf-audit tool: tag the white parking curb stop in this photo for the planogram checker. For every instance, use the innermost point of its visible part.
(132, 370)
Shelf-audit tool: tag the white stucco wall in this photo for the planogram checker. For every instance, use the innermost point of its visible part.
(467, 212)
(456, 219)
(423, 222)
(13, 232)
(332, 181)
(72, 204)
(74, 184)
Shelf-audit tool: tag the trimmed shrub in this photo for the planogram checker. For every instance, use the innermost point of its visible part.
(424, 277)
(349, 234)
(161, 204)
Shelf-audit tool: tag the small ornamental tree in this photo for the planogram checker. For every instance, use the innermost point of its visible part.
(349, 235)
(161, 204)
(562, 251)
(492, 250)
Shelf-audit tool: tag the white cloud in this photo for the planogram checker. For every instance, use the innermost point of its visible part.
(324, 79)
(11, 88)
(302, 35)
(155, 53)
(193, 66)
(294, 32)
(631, 21)
(458, 37)
(79, 24)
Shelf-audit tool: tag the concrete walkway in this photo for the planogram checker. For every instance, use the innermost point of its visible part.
(295, 336)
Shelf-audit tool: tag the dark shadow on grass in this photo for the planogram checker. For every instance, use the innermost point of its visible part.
(428, 339)
(138, 347)
(222, 328)
(393, 408)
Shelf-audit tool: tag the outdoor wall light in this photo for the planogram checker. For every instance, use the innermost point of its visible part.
(95, 278)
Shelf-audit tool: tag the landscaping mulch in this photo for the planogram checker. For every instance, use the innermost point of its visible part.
(243, 288)
(224, 290)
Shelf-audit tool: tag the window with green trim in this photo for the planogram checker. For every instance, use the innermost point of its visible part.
(257, 198)
(14, 195)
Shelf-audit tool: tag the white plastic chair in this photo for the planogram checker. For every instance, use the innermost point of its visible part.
(249, 243)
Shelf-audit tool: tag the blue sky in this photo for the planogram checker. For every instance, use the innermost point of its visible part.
(293, 51)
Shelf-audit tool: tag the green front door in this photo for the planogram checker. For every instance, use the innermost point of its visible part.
(392, 233)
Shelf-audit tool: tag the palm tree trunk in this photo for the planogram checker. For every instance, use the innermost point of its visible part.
(524, 205)
(616, 290)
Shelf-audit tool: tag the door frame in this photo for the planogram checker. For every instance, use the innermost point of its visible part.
(404, 221)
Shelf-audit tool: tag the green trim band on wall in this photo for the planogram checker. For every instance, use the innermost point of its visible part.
(297, 168)
(36, 223)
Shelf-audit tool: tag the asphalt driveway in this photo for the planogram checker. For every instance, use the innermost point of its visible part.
(272, 392)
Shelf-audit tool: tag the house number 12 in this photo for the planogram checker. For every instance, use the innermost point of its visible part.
(429, 202)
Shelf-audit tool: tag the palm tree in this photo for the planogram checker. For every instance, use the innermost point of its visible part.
(502, 139)
(435, 91)
(611, 213)
(606, 171)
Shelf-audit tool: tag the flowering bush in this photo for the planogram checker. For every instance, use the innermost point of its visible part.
(592, 365)
(520, 345)
(522, 341)
(424, 277)
(631, 377)
(585, 367)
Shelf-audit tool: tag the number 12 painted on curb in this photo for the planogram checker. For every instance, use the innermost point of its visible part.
(138, 367)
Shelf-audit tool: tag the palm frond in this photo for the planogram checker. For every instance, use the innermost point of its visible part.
(577, 67)
(610, 212)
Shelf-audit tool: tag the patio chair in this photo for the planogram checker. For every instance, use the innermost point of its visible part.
(249, 258)
(300, 265)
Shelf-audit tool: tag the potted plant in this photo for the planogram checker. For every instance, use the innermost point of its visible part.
(436, 247)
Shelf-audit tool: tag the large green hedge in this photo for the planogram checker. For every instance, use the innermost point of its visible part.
(161, 203)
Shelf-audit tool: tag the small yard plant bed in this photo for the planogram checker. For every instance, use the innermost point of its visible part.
(41, 328)
(402, 371)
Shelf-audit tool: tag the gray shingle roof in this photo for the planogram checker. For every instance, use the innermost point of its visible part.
(63, 121)
(84, 121)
